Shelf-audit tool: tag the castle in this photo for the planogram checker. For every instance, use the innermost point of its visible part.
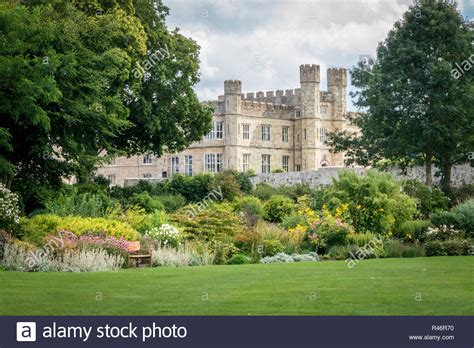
(262, 132)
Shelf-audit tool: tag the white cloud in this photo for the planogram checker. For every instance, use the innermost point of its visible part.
(262, 43)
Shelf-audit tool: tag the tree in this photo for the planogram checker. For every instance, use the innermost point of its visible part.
(83, 77)
(417, 108)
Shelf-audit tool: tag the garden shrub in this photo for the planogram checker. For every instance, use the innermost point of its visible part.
(170, 257)
(293, 220)
(207, 223)
(222, 251)
(134, 216)
(244, 181)
(264, 191)
(267, 230)
(277, 208)
(227, 184)
(155, 219)
(360, 239)
(429, 200)
(249, 241)
(444, 218)
(294, 191)
(317, 198)
(172, 203)
(36, 228)
(18, 258)
(238, 259)
(109, 227)
(413, 250)
(272, 247)
(9, 210)
(460, 194)
(194, 188)
(464, 216)
(395, 248)
(201, 253)
(80, 204)
(343, 252)
(374, 200)
(249, 204)
(192, 254)
(335, 236)
(145, 201)
(329, 230)
(449, 247)
(413, 230)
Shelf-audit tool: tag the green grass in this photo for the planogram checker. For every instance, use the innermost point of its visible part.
(418, 286)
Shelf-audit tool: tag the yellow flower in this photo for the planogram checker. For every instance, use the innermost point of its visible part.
(341, 209)
(297, 233)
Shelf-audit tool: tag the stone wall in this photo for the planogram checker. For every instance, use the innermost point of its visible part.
(461, 175)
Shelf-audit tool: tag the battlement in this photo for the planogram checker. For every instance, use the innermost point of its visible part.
(278, 97)
(309, 73)
(337, 77)
(232, 87)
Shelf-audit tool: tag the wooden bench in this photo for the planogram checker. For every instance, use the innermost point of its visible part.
(140, 260)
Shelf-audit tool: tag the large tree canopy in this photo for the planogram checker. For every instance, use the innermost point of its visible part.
(417, 109)
(80, 77)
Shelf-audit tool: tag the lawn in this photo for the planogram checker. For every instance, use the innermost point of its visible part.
(418, 286)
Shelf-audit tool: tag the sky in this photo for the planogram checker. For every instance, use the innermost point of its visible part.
(263, 42)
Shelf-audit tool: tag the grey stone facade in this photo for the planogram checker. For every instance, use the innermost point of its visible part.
(258, 131)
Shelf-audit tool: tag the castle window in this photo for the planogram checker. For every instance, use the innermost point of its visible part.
(323, 135)
(284, 134)
(297, 113)
(324, 110)
(245, 131)
(265, 132)
(245, 162)
(285, 163)
(265, 163)
(112, 179)
(298, 167)
(188, 165)
(217, 131)
(147, 159)
(147, 175)
(174, 165)
(213, 162)
(305, 133)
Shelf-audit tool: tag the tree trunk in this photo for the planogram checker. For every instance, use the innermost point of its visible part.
(428, 165)
(446, 183)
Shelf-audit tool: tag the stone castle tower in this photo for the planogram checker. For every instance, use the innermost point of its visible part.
(262, 131)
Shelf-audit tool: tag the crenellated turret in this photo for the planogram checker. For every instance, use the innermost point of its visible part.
(309, 81)
(337, 87)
